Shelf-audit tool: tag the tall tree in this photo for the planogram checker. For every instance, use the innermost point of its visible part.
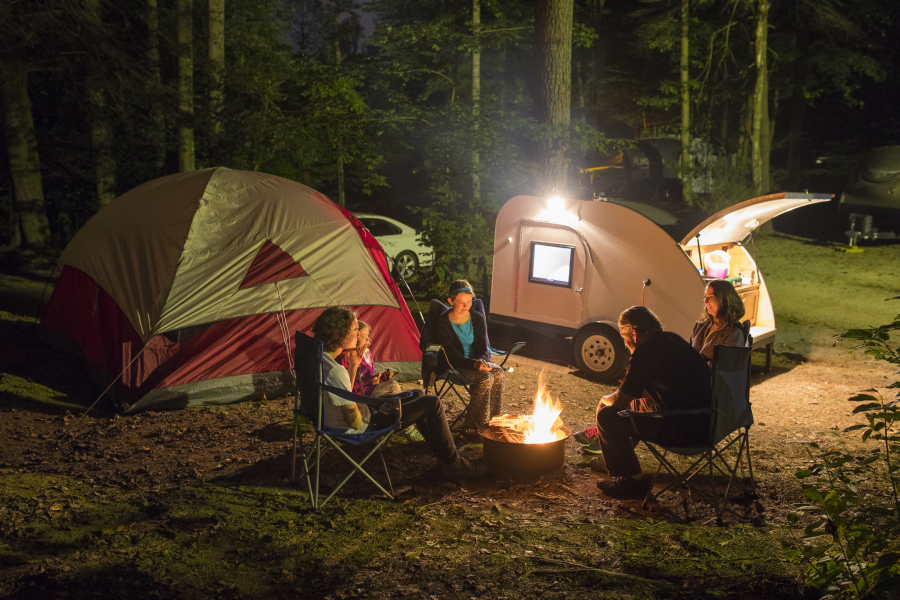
(216, 74)
(185, 41)
(156, 134)
(686, 171)
(760, 133)
(476, 91)
(553, 45)
(98, 116)
(32, 230)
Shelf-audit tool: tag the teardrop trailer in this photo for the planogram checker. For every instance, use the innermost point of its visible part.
(567, 268)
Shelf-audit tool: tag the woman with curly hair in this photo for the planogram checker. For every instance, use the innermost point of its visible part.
(338, 329)
(721, 320)
(463, 335)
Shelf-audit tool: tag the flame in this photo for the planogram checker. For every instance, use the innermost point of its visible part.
(543, 419)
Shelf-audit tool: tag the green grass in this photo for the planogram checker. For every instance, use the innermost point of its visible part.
(206, 540)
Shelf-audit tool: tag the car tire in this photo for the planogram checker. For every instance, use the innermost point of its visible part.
(600, 353)
(406, 264)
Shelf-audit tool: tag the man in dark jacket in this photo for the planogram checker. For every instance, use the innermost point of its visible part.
(664, 373)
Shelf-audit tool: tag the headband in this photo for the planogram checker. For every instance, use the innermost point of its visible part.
(456, 291)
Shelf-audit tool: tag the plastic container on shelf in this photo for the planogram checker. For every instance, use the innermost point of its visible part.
(717, 263)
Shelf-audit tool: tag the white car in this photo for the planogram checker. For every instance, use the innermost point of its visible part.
(400, 242)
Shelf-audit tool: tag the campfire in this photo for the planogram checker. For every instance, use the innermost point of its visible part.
(527, 445)
(540, 427)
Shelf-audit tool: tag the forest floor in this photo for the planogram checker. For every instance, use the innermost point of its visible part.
(198, 503)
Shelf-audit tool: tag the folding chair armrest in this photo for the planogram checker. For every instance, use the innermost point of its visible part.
(400, 396)
(681, 428)
(506, 354)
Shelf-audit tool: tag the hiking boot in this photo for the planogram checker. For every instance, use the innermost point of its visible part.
(588, 436)
(592, 449)
(598, 465)
(412, 434)
(464, 469)
(626, 487)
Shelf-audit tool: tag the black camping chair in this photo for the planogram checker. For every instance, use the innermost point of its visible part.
(309, 368)
(716, 429)
(449, 378)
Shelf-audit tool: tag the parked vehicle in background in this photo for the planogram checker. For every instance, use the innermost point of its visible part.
(871, 200)
(401, 243)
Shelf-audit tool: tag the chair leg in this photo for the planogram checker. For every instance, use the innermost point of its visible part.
(386, 474)
(318, 451)
(712, 489)
(294, 454)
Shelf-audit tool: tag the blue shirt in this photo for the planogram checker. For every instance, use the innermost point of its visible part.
(466, 336)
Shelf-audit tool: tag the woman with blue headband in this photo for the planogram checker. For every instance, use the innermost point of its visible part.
(463, 334)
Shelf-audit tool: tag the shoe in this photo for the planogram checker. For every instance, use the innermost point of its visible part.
(464, 469)
(626, 487)
(412, 434)
(592, 449)
(588, 436)
(598, 465)
(470, 434)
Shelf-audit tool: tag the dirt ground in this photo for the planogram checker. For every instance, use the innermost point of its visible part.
(91, 503)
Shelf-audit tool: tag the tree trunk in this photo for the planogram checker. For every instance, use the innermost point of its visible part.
(476, 93)
(553, 43)
(216, 75)
(687, 178)
(99, 125)
(31, 229)
(157, 133)
(185, 86)
(760, 103)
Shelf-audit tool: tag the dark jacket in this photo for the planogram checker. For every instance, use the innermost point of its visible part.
(446, 337)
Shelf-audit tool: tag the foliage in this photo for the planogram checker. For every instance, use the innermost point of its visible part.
(852, 545)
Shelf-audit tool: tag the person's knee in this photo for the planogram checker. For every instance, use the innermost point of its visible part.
(607, 418)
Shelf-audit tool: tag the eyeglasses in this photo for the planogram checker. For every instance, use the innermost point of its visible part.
(708, 298)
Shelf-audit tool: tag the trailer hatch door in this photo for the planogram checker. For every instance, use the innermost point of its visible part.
(734, 223)
(550, 274)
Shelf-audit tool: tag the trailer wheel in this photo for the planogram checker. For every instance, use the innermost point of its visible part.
(600, 353)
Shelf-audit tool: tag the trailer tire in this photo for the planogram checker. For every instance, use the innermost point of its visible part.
(600, 353)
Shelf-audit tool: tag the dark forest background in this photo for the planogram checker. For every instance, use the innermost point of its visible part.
(430, 111)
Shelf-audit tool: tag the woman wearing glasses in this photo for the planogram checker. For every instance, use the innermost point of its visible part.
(721, 320)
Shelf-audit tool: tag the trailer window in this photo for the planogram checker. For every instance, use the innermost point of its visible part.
(551, 264)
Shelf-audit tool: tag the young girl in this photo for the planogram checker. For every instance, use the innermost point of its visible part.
(463, 334)
(367, 382)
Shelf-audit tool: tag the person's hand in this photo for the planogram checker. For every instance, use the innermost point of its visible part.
(483, 366)
(354, 357)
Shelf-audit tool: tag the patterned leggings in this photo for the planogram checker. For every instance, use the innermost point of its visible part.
(487, 390)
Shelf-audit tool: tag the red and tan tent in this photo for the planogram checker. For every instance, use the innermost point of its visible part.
(188, 289)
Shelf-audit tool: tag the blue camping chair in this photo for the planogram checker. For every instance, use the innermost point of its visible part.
(449, 378)
(724, 426)
(308, 405)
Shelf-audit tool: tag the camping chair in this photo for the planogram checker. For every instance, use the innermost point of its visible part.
(308, 367)
(718, 428)
(450, 378)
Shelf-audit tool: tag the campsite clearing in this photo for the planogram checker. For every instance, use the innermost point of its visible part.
(196, 503)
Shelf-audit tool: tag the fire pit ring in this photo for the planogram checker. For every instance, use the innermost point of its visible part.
(523, 461)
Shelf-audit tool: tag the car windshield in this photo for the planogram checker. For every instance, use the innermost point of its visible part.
(883, 167)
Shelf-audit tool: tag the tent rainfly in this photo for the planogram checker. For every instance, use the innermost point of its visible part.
(188, 289)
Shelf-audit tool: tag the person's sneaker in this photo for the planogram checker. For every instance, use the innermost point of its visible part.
(598, 465)
(594, 448)
(464, 469)
(412, 434)
(588, 436)
(626, 487)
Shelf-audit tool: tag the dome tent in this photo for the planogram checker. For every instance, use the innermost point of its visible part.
(191, 286)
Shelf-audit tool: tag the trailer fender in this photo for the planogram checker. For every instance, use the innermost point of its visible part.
(599, 351)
